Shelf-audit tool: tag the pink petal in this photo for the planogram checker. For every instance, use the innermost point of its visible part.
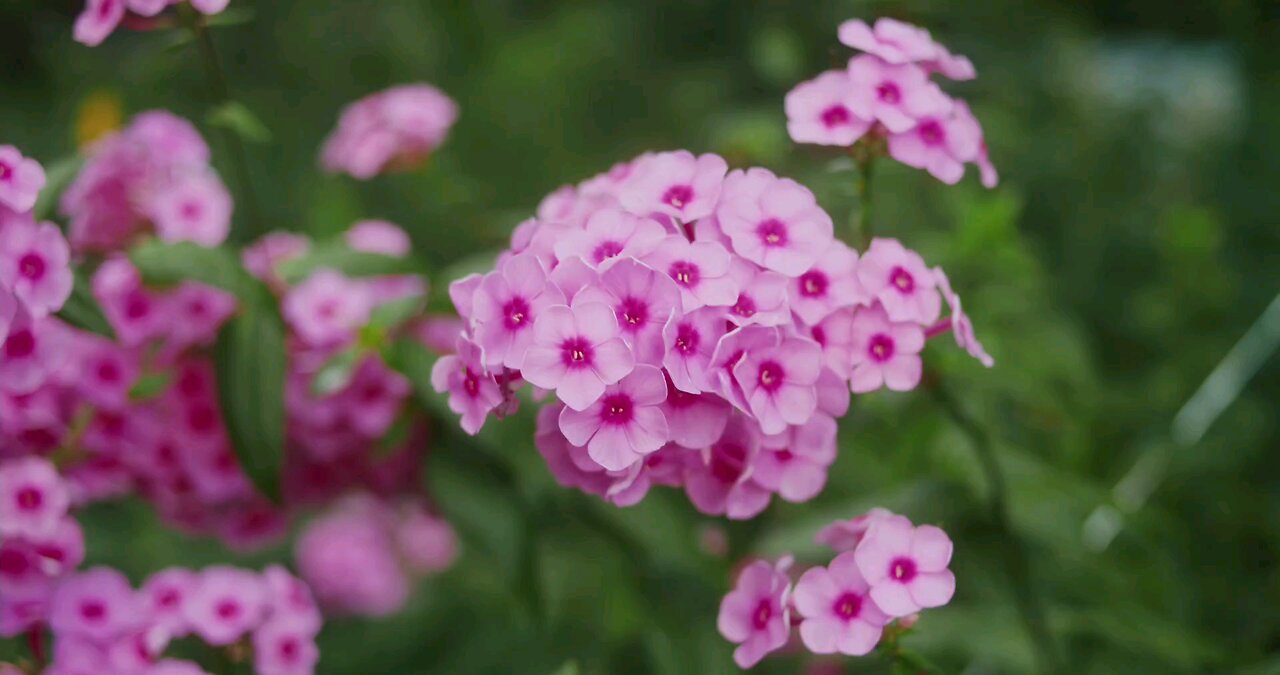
(821, 635)
(894, 599)
(931, 548)
(815, 592)
(932, 589)
(613, 360)
(579, 426)
(611, 448)
(579, 388)
(903, 372)
(859, 638)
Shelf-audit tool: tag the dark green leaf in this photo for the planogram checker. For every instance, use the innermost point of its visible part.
(250, 362)
(58, 176)
(240, 120)
(82, 311)
(164, 264)
(150, 386)
(338, 256)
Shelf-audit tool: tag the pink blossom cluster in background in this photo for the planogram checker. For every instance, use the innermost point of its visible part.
(699, 328)
(392, 129)
(886, 569)
(100, 18)
(886, 93)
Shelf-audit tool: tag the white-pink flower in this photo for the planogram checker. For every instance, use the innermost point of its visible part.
(779, 382)
(473, 392)
(896, 95)
(700, 269)
(34, 265)
(197, 209)
(225, 604)
(755, 614)
(906, 566)
(625, 423)
(611, 233)
(577, 351)
(676, 184)
(899, 279)
(831, 283)
(327, 308)
(820, 111)
(773, 222)
(885, 353)
(794, 463)
(33, 498)
(21, 179)
(839, 613)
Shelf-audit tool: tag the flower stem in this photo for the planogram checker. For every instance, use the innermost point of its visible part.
(1012, 549)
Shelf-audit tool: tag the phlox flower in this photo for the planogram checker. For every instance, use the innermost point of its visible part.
(900, 42)
(899, 279)
(642, 299)
(831, 283)
(885, 353)
(198, 311)
(472, 390)
(839, 613)
(261, 258)
(34, 265)
(505, 305)
(378, 236)
(164, 597)
(21, 179)
(427, 542)
(695, 420)
(107, 373)
(557, 452)
(756, 614)
(394, 128)
(197, 209)
(906, 566)
(33, 498)
(762, 296)
(290, 598)
(820, 111)
(794, 463)
(773, 222)
(98, 20)
(136, 314)
(676, 184)
(700, 269)
(577, 351)
(176, 667)
(283, 647)
(961, 326)
(896, 95)
(225, 603)
(210, 7)
(834, 334)
(8, 307)
(611, 233)
(348, 558)
(940, 145)
(623, 424)
(845, 535)
(97, 604)
(327, 308)
(722, 482)
(29, 354)
(778, 382)
(690, 341)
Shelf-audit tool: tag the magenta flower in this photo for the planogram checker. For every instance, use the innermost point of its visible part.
(559, 455)
(642, 299)
(899, 279)
(885, 353)
(829, 285)
(961, 326)
(21, 179)
(375, 397)
(97, 604)
(897, 96)
(8, 307)
(199, 311)
(196, 209)
(762, 296)
(611, 233)
(939, 145)
(794, 463)
(176, 667)
(675, 184)
(33, 498)
(34, 264)
(29, 354)
(395, 128)
(283, 647)
(722, 482)
(225, 603)
(348, 558)
(906, 566)
(835, 335)
(690, 342)
(577, 351)
(98, 20)
(778, 382)
(164, 597)
(625, 423)
(839, 613)
(695, 420)
(107, 373)
(845, 535)
(472, 390)
(755, 614)
(327, 308)
(378, 236)
(820, 111)
(699, 268)
(773, 222)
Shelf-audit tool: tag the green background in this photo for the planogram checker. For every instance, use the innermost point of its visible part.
(1132, 242)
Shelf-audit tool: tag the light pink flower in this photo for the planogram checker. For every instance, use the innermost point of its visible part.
(642, 299)
(939, 145)
(885, 353)
(906, 566)
(839, 613)
(611, 233)
(773, 222)
(21, 179)
(136, 314)
(961, 326)
(197, 209)
(899, 279)
(820, 111)
(559, 455)
(427, 542)
(98, 20)
(34, 265)
(690, 341)
(472, 390)
(695, 420)
(283, 647)
(348, 558)
(394, 128)
(892, 40)
(762, 296)
(265, 254)
(831, 283)
(835, 335)
(198, 312)
(676, 184)
(290, 599)
(897, 96)
(107, 372)
(8, 307)
(722, 482)
(577, 351)
(755, 614)
(700, 269)
(379, 236)
(33, 498)
(779, 383)
(327, 308)
(845, 535)
(505, 306)
(164, 597)
(794, 463)
(625, 423)
(225, 603)
(97, 604)
(148, 7)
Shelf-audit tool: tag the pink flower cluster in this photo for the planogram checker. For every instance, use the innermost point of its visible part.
(699, 327)
(886, 569)
(886, 93)
(392, 129)
(361, 556)
(100, 18)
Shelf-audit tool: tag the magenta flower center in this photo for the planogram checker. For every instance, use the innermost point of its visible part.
(93, 610)
(836, 115)
(470, 383)
(813, 284)
(20, 345)
(327, 309)
(764, 612)
(616, 409)
(192, 210)
(932, 133)
(227, 610)
(888, 92)
(902, 280)
(108, 372)
(168, 598)
(372, 392)
(6, 171)
(13, 563)
(678, 196)
(728, 461)
(575, 353)
(772, 232)
(201, 418)
(515, 314)
(880, 347)
(634, 312)
(784, 455)
(680, 399)
(289, 650)
(31, 266)
(137, 306)
(29, 498)
(902, 569)
(819, 335)
(848, 606)
(745, 307)
(685, 273)
(605, 250)
(687, 339)
(770, 375)
(104, 10)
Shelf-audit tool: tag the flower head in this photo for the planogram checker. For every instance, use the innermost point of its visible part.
(820, 111)
(755, 614)
(21, 179)
(906, 566)
(577, 351)
(899, 279)
(773, 222)
(839, 613)
(676, 184)
(625, 423)
(885, 353)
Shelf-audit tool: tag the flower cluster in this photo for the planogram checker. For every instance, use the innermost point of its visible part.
(886, 94)
(392, 129)
(886, 569)
(699, 327)
(100, 18)
(152, 177)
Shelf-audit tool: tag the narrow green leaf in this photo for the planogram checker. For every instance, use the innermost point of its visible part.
(338, 256)
(57, 176)
(250, 361)
(389, 315)
(164, 264)
(239, 119)
(336, 373)
(150, 386)
(82, 311)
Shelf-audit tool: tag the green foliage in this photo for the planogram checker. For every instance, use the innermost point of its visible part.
(82, 310)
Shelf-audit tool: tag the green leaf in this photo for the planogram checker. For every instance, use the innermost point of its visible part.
(82, 311)
(162, 264)
(150, 386)
(389, 315)
(240, 120)
(336, 373)
(413, 360)
(57, 176)
(338, 256)
(250, 361)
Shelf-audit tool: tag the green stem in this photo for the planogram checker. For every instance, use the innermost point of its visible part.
(862, 225)
(1012, 550)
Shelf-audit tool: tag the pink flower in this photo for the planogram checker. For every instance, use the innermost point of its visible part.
(794, 463)
(505, 306)
(374, 397)
(940, 145)
(625, 423)
(282, 647)
(29, 354)
(773, 222)
(107, 373)
(577, 351)
(197, 209)
(961, 326)
(906, 566)
(210, 7)
(97, 604)
(559, 455)
(722, 482)
(148, 7)
(821, 111)
(164, 597)
(225, 603)
(762, 296)
(327, 308)
(897, 96)
(136, 314)
(845, 535)
(839, 613)
(611, 233)
(290, 599)
(899, 279)
(21, 179)
(427, 543)
(8, 307)
(34, 265)
(676, 184)
(642, 299)
(690, 342)
(472, 390)
(700, 270)
(98, 20)
(348, 558)
(779, 382)
(695, 420)
(394, 128)
(265, 254)
(885, 353)
(755, 613)
(835, 335)
(829, 285)
(379, 236)
(892, 40)
(33, 498)
(198, 312)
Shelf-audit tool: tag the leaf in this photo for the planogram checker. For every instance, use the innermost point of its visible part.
(391, 314)
(240, 120)
(233, 16)
(57, 176)
(336, 373)
(162, 264)
(82, 311)
(338, 256)
(250, 361)
(413, 360)
(150, 386)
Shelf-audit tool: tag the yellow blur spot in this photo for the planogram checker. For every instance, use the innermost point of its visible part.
(100, 114)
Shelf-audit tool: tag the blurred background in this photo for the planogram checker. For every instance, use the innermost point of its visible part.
(1133, 241)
